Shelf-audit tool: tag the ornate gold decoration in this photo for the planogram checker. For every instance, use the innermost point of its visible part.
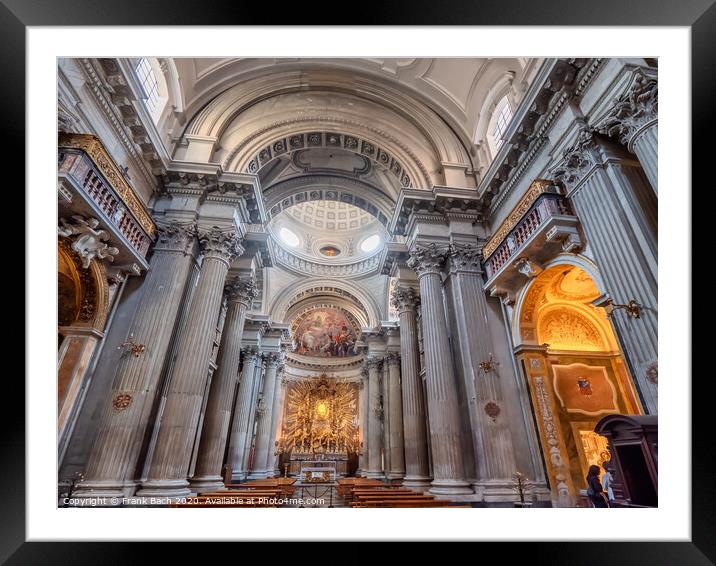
(632, 308)
(321, 415)
(122, 401)
(488, 365)
(537, 187)
(94, 148)
(131, 346)
(565, 328)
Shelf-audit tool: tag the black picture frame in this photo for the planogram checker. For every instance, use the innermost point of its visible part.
(699, 15)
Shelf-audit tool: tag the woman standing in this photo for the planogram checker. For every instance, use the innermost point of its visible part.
(595, 492)
(607, 481)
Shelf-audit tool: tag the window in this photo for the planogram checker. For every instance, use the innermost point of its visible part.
(370, 243)
(289, 238)
(500, 120)
(149, 83)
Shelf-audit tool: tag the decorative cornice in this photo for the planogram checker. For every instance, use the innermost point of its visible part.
(314, 268)
(428, 258)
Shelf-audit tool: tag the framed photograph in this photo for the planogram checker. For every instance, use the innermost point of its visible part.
(404, 278)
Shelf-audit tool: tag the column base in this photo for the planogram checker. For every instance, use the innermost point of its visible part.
(165, 488)
(207, 483)
(450, 487)
(238, 477)
(259, 475)
(90, 489)
(395, 475)
(372, 474)
(418, 483)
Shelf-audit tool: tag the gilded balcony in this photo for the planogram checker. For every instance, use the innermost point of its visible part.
(91, 184)
(542, 225)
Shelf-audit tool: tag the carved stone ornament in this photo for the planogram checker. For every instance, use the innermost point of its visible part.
(428, 258)
(373, 363)
(633, 110)
(465, 257)
(652, 373)
(527, 267)
(173, 235)
(576, 161)
(220, 244)
(87, 240)
(261, 408)
(122, 402)
(244, 291)
(404, 298)
(393, 359)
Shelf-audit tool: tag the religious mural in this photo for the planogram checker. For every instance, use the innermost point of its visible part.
(325, 333)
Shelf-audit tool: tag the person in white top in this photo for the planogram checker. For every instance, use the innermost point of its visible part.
(607, 481)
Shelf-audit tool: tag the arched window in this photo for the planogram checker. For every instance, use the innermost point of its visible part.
(501, 118)
(149, 83)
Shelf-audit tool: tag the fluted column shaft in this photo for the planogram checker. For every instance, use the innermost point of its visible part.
(448, 466)
(179, 422)
(260, 468)
(277, 420)
(249, 443)
(645, 144)
(214, 434)
(374, 426)
(240, 424)
(618, 211)
(385, 415)
(363, 458)
(491, 438)
(417, 471)
(396, 469)
(125, 415)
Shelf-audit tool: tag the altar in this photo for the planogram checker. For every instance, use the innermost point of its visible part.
(336, 465)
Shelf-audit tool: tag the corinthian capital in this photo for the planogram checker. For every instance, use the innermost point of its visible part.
(577, 160)
(373, 363)
(428, 258)
(174, 235)
(243, 291)
(465, 257)
(637, 107)
(272, 359)
(393, 359)
(220, 244)
(404, 298)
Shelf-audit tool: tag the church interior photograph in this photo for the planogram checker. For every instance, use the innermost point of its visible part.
(357, 282)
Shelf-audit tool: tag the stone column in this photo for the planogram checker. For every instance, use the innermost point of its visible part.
(363, 458)
(634, 121)
(167, 474)
(417, 472)
(125, 416)
(489, 436)
(618, 212)
(385, 415)
(240, 424)
(448, 466)
(262, 466)
(374, 417)
(259, 372)
(277, 420)
(215, 430)
(395, 419)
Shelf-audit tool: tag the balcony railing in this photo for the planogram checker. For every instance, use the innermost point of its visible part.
(537, 211)
(84, 160)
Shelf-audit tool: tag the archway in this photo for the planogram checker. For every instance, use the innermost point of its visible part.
(575, 370)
